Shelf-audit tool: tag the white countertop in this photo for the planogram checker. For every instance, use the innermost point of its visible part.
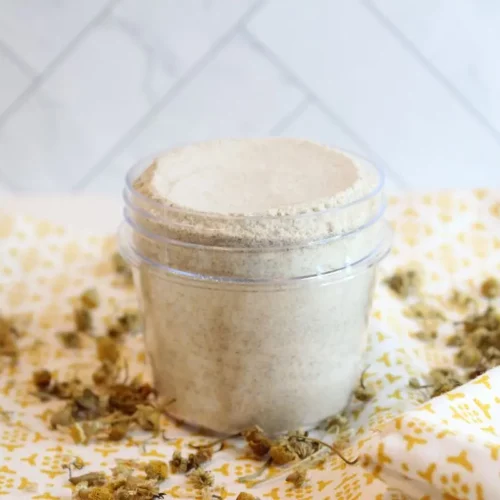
(86, 212)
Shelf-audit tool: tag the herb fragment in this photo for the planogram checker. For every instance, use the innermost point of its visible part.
(178, 464)
(83, 319)
(71, 339)
(201, 478)
(297, 478)
(490, 288)
(156, 469)
(8, 339)
(257, 441)
(90, 298)
(246, 496)
(405, 282)
(121, 268)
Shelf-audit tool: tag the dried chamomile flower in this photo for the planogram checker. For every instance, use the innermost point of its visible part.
(299, 443)
(42, 379)
(257, 441)
(461, 301)
(91, 478)
(335, 424)
(202, 456)
(363, 394)
(297, 478)
(426, 334)
(201, 478)
(281, 453)
(107, 350)
(130, 320)
(62, 418)
(424, 312)
(148, 418)
(90, 298)
(71, 339)
(118, 431)
(96, 493)
(490, 288)
(106, 374)
(468, 356)
(455, 340)
(178, 464)
(157, 470)
(246, 496)
(83, 319)
(121, 268)
(8, 339)
(405, 282)
(126, 398)
(414, 383)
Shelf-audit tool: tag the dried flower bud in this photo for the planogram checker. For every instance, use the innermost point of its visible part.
(130, 321)
(202, 456)
(118, 431)
(122, 268)
(246, 496)
(455, 340)
(490, 288)
(107, 350)
(157, 470)
(414, 383)
(201, 478)
(90, 298)
(297, 478)
(404, 282)
(42, 379)
(178, 464)
(426, 335)
(63, 418)
(83, 319)
(71, 339)
(100, 493)
(468, 357)
(148, 418)
(91, 478)
(363, 394)
(257, 441)
(281, 453)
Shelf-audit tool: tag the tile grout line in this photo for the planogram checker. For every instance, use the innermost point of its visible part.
(290, 117)
(188, 76)
(49, 69)
(430, 68)
(17, 60)
(314, 98)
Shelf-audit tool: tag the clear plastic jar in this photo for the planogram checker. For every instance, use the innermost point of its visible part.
(255, 319)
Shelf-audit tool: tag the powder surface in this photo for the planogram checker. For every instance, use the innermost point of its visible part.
(253, 176)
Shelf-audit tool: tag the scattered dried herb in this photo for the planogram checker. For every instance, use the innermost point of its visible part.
(179, 464)
(121, 268)
(90, 298)
(246, 496)
(490, 288)
(426, 334)
(71, 339)
(156, 469)
(83, 319)
(9, 336)
(257, 441)
(201, 478)
(298, 478)
(405, 282)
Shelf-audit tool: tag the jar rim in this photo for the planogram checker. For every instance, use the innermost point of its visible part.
(154, 206)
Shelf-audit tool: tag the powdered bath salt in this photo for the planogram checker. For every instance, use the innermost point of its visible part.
(255, 261)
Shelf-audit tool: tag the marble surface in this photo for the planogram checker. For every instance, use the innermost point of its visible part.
(88, 88)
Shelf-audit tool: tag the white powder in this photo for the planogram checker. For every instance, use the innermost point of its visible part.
(252, 344)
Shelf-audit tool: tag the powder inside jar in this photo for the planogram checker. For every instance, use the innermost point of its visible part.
(252, 316)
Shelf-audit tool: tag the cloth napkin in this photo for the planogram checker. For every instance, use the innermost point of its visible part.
(409, 446)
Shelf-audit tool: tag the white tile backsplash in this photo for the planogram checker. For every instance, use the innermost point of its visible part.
(241, 92)
(40, 30)
(405, 115)
(460, 39)
(88, 87)
(13, 80)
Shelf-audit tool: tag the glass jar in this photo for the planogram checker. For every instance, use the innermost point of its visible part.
(255, 319)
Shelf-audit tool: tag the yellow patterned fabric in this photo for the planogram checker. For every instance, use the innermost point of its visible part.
(446, 448)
